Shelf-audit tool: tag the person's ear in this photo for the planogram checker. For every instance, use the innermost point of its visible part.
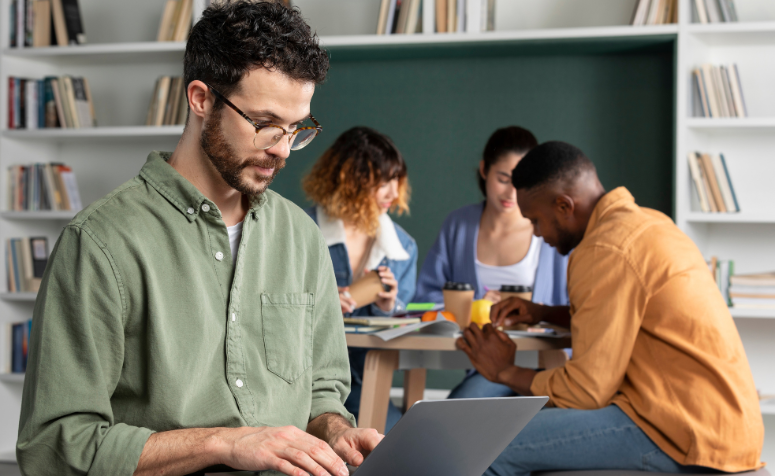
(564, 207)
(199, 102)
(481, 170)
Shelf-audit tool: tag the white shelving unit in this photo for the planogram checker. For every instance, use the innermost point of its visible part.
(122, 64)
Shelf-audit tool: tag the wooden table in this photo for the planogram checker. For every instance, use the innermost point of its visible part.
(415, 354)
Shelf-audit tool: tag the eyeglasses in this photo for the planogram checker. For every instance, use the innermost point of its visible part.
(269, 135)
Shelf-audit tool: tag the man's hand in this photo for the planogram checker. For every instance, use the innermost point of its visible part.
(491, 351)
(351, 444)
(285, 449)
(386, 300)
(514, 310)
(354, 444)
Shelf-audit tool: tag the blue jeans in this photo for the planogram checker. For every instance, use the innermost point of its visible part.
(353, 402)
(560, 439)
(476, 386)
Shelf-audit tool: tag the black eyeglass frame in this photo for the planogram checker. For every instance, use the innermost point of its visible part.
(318, 128)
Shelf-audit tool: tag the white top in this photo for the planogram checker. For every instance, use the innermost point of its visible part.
(235, 235)
(522, 273)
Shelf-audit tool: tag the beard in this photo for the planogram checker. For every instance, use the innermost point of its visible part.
(566, 241)
(231, 168)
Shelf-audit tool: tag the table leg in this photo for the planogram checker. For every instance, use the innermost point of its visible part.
(414, 386)
(549, 359)
(375, 393)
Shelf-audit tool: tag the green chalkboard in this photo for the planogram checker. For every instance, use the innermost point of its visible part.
(612, 98)
(616, 104)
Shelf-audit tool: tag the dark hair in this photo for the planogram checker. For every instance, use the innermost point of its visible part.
(550, 162)
(343, 180)
(235, 37)
(507, 139)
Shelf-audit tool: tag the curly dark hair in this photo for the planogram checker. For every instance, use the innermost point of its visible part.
(236, 36)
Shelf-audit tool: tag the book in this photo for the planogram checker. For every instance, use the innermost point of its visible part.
(428, 16)
(725, 185)
(392, 17)
(729, 180)
(640, 12)
(715, 190)
(165, 27)
(403, 16)
(473, 16)
(755, 279)
(699, 187)
(81, 101)
(183, 24)
(38, 187)
(413, 18)
(460, 11)
(41, 33)
(380, 321)
(73, 24)
(451, 16)
(381, 21)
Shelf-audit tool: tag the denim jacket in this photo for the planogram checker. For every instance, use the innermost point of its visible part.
(393, 248)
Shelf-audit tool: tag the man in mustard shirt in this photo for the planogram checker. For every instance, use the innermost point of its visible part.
(190, 319)
(659, 380)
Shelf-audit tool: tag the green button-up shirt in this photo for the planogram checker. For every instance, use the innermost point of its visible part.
(143, 324)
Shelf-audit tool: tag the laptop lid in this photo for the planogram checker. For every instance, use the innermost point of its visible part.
(457, 437)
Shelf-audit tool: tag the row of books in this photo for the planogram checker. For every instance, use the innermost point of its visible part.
(718, 92)
(655, 12)
(712, 183)
(169, 105)
(64, 101)
(714, 11)
(25, 262)
(752, 291)
(14, 346)
(38, 187)
(45, 23)
(435, 16)
(722, 271)
(176, 20)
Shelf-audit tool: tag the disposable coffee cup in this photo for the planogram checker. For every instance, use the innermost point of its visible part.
(366, 290)
(458, 298)
(524, 292)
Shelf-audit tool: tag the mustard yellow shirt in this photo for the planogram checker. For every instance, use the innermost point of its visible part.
(652, 335)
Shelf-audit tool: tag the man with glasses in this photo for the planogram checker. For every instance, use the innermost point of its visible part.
(190, 319)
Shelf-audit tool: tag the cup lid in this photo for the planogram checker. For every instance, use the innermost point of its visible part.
(450, 286)
(510, 288)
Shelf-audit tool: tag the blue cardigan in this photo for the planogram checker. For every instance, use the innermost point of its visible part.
(453, 255)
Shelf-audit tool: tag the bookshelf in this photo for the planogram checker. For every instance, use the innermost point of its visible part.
(591, 36)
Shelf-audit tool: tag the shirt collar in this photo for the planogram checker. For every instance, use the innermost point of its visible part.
(181, 193)
(387, 245)
(616, 198)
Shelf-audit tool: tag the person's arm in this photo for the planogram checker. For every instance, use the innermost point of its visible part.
(403, 285)
(76, 353)
(286, 449)
(609, 298)
(435, 271)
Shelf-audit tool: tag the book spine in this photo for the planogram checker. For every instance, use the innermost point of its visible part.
(697, 179)
(428, 17)
(702, 12)
(461, 16)
(383, 15)
(441, 16)
(11, 111)
(20, 22)
(473, 16)
(740, 90)
(729, 180)
(17, 357)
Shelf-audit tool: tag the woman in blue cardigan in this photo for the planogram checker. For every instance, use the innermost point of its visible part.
(490, 244)
(354, 185)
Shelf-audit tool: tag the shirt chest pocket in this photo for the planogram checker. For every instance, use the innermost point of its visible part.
(287, 323)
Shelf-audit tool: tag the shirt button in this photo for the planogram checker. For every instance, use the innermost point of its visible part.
(205, 208)
(190, 211)
(239, 383)
(233, 317)
(219, 256)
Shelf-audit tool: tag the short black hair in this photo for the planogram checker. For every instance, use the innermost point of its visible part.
(506, 139)
(237, 36)
(549, 163)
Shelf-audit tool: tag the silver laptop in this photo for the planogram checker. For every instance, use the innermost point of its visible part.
(459, 437)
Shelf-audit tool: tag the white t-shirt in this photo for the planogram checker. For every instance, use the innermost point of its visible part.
(235, 234)
(522, 273)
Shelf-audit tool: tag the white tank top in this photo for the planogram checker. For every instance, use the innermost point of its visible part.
(522, 273)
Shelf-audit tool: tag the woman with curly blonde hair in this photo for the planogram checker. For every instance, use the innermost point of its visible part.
(354, 185)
